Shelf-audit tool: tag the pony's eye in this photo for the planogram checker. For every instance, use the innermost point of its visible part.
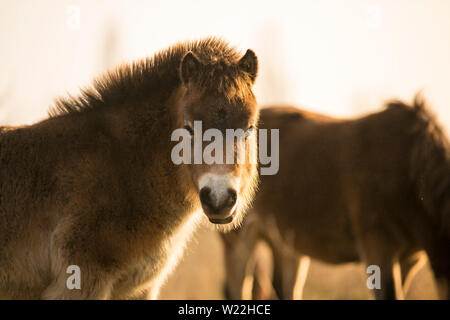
(189, 129)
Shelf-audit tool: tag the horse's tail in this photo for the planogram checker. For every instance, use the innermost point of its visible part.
(430, 164)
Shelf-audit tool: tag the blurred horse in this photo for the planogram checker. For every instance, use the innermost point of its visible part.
(94, 186)
(374, 190)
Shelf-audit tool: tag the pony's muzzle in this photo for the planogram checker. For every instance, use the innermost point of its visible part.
(218, 205)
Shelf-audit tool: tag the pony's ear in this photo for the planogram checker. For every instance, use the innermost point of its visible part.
(249, 64)
(189, 66)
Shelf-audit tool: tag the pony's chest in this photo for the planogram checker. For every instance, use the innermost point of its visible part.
(173, 246)
(152, 270)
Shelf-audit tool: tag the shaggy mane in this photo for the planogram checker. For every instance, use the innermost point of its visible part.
(430, 161)
(138, 80)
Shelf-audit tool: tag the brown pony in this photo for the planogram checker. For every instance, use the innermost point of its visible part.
(94, 185)
(374, 189)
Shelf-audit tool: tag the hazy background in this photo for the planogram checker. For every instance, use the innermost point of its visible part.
(344, 58)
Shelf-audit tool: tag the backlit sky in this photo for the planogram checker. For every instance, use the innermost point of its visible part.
(344, 58)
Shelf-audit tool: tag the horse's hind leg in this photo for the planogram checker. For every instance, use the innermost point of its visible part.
(302, 273)
(286, 267)
(262, 280)
(239, 246)
(411, 264)
(390, 282)
(442, 281)
(443, 284)
(377, 252)
(440, 264)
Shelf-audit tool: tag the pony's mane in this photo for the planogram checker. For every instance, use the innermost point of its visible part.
(137, 80)
(430, 161)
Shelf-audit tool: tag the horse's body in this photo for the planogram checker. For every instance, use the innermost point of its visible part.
(94, 185)
(374, 189)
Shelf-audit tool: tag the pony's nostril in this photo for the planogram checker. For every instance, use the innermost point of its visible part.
(216, 203)
(205, 195)
(232, 197)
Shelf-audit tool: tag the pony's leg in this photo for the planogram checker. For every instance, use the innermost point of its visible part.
(410, 265)
(377, 252)
(262, 280)
(237, 279)
(238, 262)
(239, 247)
(440, 264)
(302, 273)
(443, 284)
(390, 288)
(442, 278)
(285, 269)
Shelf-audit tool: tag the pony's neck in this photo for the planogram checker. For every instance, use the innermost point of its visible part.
(149, 122)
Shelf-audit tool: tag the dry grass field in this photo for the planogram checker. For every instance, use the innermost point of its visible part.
(200, 275)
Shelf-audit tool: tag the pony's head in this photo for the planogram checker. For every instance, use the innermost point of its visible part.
(216, 102)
